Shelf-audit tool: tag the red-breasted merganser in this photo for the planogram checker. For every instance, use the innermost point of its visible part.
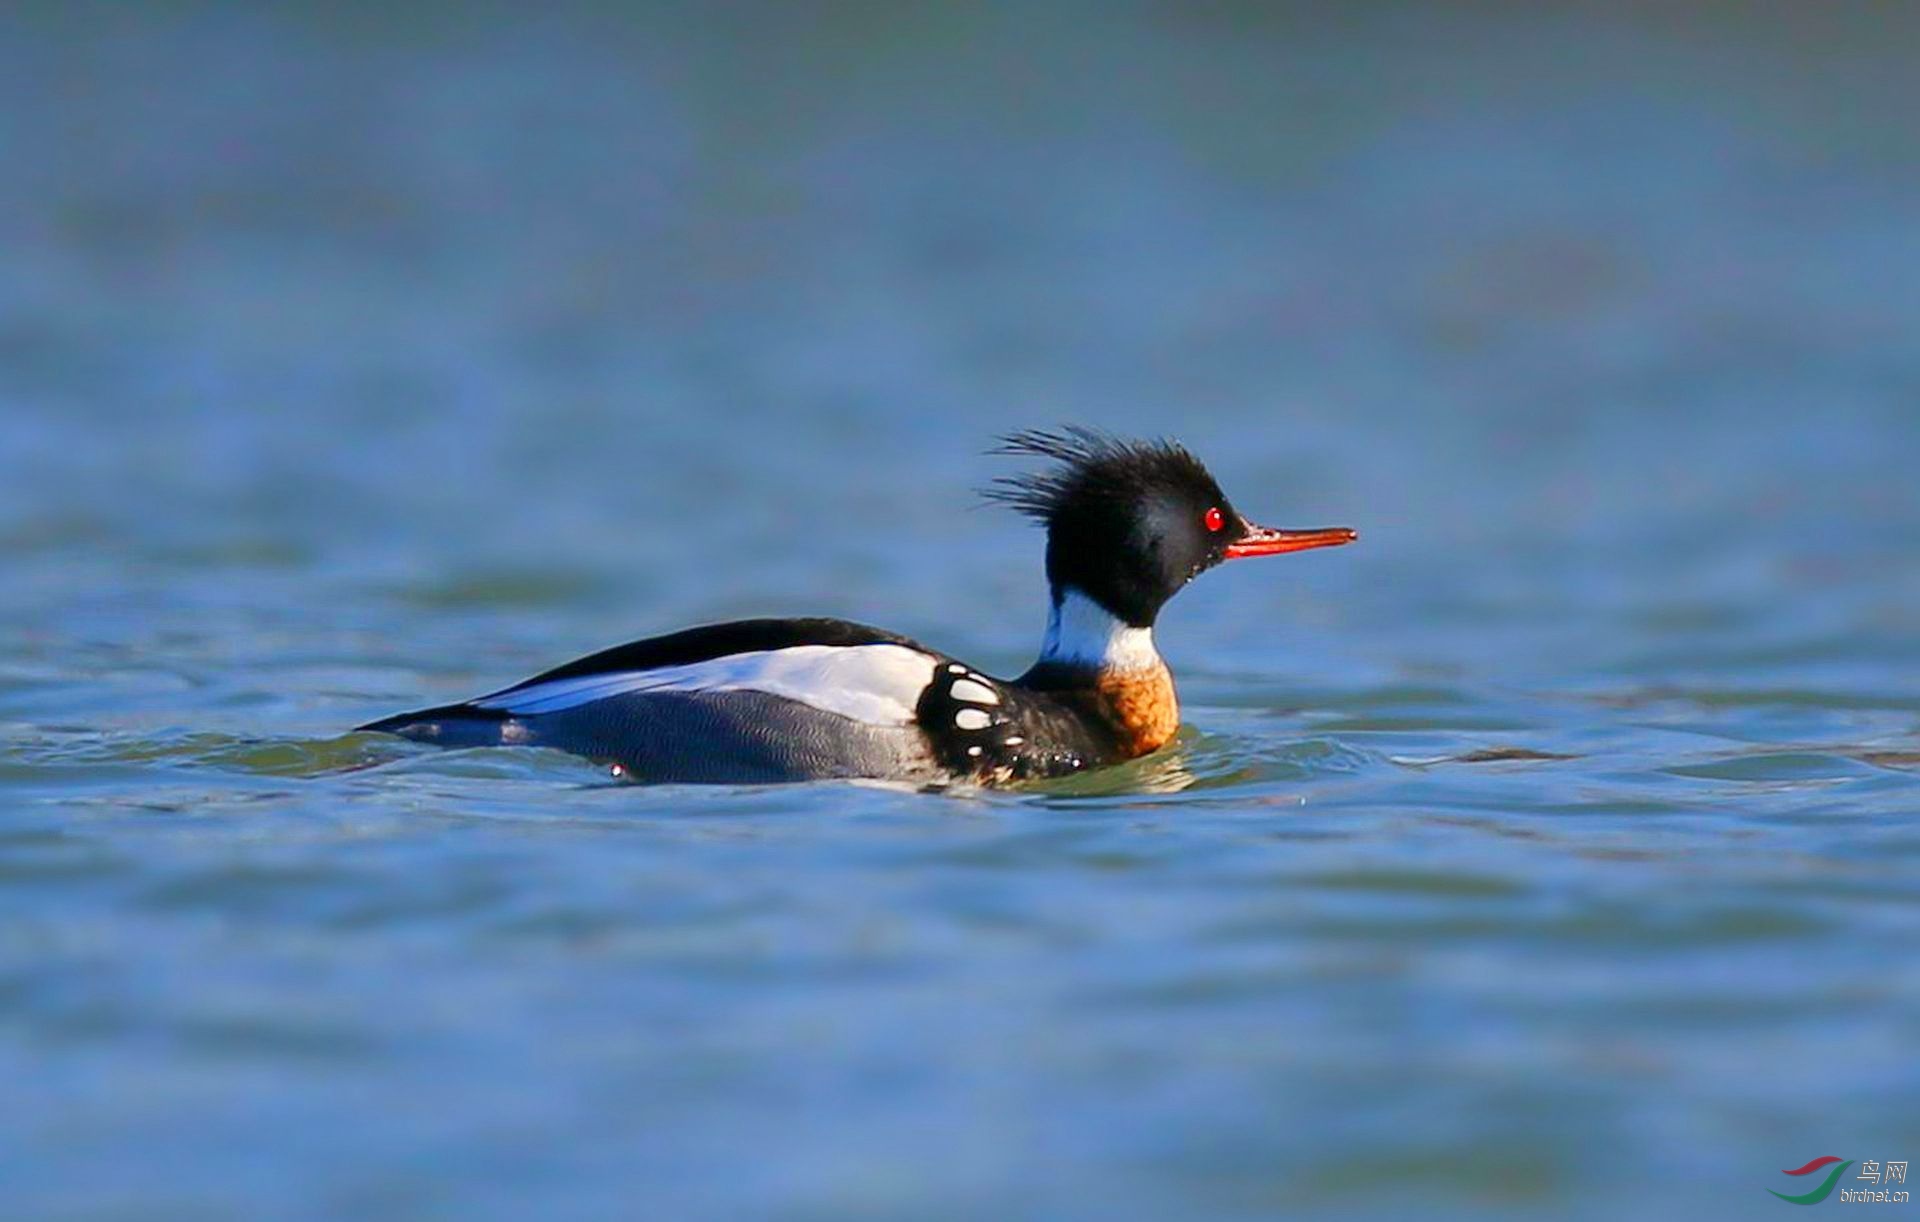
(1128, 524)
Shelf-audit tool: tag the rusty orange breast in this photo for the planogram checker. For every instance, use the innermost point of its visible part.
(1141, 707)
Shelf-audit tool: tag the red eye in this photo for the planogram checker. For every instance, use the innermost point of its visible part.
(1215, 519)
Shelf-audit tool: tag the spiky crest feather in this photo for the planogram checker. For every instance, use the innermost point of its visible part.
(1093, 465)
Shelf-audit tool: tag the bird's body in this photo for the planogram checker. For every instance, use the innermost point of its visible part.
(768, 700)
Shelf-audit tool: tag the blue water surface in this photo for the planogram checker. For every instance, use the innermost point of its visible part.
(1552, 851)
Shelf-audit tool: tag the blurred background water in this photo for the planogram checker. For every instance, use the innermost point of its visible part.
(1551, 851)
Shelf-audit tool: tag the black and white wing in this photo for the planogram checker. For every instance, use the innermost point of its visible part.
(999, 733)
(751, 701)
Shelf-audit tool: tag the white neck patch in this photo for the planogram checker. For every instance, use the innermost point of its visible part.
(1080, 632)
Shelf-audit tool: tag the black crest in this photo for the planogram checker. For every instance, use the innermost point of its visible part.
(1093, 465)
(1125, 519)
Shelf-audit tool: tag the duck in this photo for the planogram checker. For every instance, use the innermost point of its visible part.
(1129, 523)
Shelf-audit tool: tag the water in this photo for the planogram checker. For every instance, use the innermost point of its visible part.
(1552, 850)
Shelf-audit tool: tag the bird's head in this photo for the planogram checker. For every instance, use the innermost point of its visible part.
(1129, 523)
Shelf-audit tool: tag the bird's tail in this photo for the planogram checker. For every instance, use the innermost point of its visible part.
(448, 725)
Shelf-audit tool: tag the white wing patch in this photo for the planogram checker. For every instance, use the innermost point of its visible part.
(876, 684)
(974, 691)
